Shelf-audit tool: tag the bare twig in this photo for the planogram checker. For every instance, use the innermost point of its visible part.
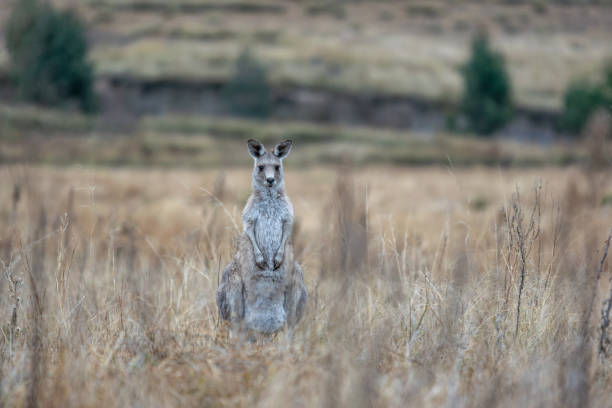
(14, 283)
(521, 241)
(605, 311)
(225, 210)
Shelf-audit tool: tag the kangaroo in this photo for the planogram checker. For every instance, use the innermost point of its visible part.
(262, 288)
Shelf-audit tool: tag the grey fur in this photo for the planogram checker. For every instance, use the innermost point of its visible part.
(263, 289)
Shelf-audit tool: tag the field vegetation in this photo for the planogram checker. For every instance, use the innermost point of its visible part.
(443, 269)
(428, 287)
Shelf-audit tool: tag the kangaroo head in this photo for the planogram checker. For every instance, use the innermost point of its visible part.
(268, 167)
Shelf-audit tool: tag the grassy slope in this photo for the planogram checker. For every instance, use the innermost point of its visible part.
(38, 135)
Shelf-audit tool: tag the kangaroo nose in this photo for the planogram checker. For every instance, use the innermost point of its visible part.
(270, 180)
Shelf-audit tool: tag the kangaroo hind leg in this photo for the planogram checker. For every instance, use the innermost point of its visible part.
(295, 298)
(230, 296)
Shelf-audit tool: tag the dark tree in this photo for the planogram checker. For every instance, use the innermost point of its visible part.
(487, 100)
(248, 92)
(582, 98)
(48, 50)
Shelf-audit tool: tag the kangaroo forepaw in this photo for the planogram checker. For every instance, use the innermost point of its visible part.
(260, 261)
(278, 260)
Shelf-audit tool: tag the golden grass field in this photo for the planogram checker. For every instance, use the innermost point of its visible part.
(109, 278)
(388, 47)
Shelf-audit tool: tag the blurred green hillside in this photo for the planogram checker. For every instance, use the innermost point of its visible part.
(371, 51)
(35, 135)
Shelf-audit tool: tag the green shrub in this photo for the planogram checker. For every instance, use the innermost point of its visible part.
(486, 101)
(48, 51)
(248, 92)
(582, 98)
(479, 203)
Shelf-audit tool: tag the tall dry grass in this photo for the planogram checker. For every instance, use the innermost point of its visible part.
(418, 296)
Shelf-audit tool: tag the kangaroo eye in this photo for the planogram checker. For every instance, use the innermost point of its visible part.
(260, 168)
(277, 168)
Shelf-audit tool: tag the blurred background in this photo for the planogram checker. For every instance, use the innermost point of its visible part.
(182, 82)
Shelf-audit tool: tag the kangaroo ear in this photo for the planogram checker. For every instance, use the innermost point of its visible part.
(256, 149)
(282, 149)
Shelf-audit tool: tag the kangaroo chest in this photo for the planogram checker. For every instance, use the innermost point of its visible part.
(269, 227)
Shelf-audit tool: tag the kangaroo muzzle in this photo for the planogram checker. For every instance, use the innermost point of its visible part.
(270, 178)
